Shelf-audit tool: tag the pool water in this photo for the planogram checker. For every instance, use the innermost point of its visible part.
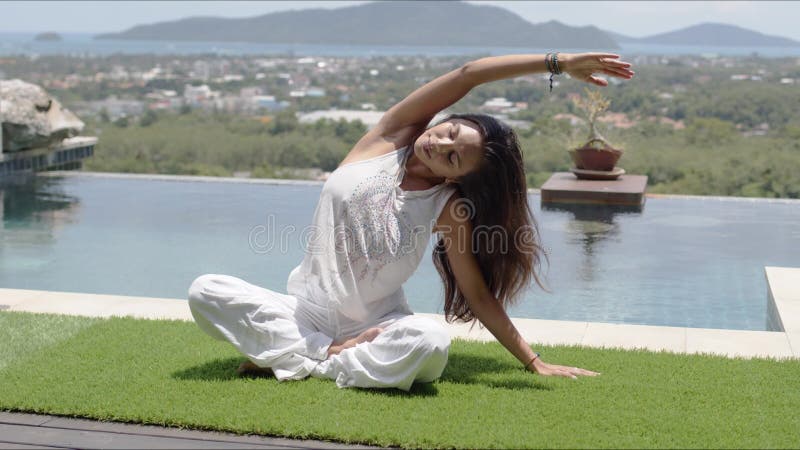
(693, 262)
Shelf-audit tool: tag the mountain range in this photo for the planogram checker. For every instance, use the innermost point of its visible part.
(417, 23)
(711, 34)
(444, 23)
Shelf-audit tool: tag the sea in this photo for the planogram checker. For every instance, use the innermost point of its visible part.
(84, 45)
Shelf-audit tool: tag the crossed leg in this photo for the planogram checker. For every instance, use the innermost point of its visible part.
(409, 349)
(248, 368)
(262, 325)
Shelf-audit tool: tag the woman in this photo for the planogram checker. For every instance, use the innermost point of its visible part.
(345, 316)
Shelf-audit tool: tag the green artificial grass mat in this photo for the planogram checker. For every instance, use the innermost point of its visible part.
(171, 373)
(21, 336)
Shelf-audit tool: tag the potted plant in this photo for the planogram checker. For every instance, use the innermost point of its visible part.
(596, 154)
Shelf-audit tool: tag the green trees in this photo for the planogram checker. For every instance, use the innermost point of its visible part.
(284, 122)
(704, 132)
(744, 102)
(220, 144)
(709, 157)
(148, 118)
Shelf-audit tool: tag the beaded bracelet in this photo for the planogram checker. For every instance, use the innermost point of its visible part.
(551, 62)
(557, 70)
(536, 355)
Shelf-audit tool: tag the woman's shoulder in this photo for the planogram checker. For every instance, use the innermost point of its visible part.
(363, 158)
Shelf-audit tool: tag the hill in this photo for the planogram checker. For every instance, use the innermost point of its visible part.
(711, 34)
(443, 23)
(48, 36)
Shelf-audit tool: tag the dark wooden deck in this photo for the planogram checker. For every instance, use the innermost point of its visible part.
(19, 430)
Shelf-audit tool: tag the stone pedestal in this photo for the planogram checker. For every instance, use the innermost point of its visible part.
(565, 187)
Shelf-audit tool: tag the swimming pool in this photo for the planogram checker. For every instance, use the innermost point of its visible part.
(694, 262)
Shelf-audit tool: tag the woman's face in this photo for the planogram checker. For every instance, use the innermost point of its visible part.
(451, 149)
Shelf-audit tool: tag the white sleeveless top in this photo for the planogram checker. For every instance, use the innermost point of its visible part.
(367, 238)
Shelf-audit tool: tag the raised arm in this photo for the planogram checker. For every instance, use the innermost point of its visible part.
(403, 121)
(419, 107)
(456, 232)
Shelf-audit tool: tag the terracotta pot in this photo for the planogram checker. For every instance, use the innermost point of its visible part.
(590, 158)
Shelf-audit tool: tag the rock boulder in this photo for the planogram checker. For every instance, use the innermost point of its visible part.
(31, 118)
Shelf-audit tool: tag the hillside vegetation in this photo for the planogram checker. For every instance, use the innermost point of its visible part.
(709, 157)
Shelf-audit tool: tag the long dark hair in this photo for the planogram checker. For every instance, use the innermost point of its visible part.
(505, 238)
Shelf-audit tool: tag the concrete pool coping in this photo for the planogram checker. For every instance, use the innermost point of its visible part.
(783, 305)
(295, 182)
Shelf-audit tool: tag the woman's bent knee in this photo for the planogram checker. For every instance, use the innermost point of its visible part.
(196, 302)
(437, 338)
(434, 345)
(434, 364)
(432, 336)
(198, 286)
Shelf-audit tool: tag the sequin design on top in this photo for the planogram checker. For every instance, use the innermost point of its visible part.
(380, 233)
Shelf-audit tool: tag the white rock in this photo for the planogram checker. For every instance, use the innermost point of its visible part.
(31, 118)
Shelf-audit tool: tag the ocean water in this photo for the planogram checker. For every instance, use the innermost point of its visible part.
(81, 44)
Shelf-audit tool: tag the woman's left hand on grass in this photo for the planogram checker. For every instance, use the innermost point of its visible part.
(584, 66)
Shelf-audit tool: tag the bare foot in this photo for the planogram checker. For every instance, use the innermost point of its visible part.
(367, 336)
(248, 368)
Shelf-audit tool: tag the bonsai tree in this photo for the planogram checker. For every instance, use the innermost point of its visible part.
(593, 106)
(596, 154)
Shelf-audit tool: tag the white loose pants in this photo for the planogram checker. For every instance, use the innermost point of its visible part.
(291, 336)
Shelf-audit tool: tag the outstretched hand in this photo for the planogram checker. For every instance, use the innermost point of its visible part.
(542, 368)
(584, 66)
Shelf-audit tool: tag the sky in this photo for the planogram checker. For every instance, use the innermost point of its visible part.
(632, 18)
